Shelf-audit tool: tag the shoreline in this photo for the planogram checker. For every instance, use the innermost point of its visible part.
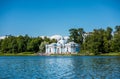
(42, 54)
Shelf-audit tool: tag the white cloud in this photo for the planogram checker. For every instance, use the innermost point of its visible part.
(57, 37)
(2, 37)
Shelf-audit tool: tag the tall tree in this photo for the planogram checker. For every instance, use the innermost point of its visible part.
(14, 46)
(77, 35)
(108, 40)
(117, 39)
(42, 46)
(4, 46)
(33, 45)
(117, 29)
(0, 45)
(73, 34)
(21, 44)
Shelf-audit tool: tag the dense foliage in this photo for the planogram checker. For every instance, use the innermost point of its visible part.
(98, 41)
(13, 44)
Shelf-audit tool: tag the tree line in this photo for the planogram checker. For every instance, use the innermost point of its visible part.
(98, 41)
(13, 44)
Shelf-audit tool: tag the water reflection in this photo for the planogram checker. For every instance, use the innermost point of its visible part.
(60, 67)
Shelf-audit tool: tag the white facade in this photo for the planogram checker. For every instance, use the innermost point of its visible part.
(62, 47)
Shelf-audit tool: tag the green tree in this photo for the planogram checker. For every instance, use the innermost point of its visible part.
(88, 43)
(116, 39)
(73, 35)
(14, 46)
(21, 44)
(4, 46)
(0, 45)
(108, 40)
(117, 29)
(80, 37)
(94, 42)
(42, 46)
(77, 35)
(33, 45)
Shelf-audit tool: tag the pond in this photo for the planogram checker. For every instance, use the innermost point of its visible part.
(60, 67)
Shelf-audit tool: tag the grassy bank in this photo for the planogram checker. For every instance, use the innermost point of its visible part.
(111, 54)
(18, 54)
(79, 54)
(88, 54)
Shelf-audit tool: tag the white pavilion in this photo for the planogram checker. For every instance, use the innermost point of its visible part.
(62, 47)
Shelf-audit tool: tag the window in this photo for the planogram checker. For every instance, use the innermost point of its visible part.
(50, 49)
(67, 49)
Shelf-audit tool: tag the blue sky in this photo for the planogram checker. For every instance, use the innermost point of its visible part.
(49, 17)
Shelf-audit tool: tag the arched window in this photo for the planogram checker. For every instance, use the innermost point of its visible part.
(67, 49)
(58, 50)
(50, 49)
(55, 50)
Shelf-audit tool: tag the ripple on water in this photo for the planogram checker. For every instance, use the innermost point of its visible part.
(79, 67)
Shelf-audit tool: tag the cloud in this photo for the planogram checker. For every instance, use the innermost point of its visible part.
(57, 37)
(2, 37)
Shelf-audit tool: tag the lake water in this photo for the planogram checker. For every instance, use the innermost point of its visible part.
(60, 67)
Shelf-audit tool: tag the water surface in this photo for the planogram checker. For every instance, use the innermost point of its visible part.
(60, 67)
